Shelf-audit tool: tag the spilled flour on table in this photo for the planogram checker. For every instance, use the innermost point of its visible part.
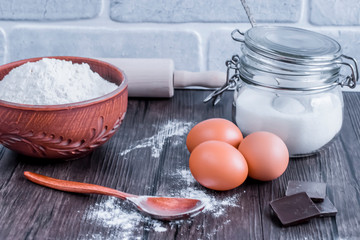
(123, 221)
(157, 141)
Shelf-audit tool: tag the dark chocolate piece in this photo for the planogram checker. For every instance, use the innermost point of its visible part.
(294, 209)
(315, 190)
(326, 208)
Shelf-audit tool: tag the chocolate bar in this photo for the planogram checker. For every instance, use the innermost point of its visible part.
(295, 209)
(326, 208)
(315, 190)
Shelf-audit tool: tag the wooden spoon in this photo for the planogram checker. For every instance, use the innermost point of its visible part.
(163, 208)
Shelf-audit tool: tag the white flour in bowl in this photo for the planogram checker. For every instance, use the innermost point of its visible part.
(51, 82)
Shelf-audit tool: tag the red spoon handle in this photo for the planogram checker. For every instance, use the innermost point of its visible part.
(75, 187)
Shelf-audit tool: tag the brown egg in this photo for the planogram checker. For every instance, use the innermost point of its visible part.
(266, 155)
(214, 129)
(218, 165)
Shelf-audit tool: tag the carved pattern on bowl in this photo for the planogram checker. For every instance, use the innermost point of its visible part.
(41, 142)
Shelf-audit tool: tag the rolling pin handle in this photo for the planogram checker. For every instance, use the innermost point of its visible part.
(211, 79)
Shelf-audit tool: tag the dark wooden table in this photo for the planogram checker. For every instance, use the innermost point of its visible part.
(146, 156)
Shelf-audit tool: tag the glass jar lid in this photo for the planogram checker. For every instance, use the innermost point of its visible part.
(294, 45)
(287, 58)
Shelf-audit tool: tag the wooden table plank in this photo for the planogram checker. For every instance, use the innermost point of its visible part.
(148, 156)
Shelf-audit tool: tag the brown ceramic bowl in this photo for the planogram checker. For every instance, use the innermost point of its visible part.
(65, 131)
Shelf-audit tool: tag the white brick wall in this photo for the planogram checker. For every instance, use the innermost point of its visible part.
(195, 34)
(43, 10)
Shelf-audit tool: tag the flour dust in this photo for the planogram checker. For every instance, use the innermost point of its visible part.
(124, 222)
(171, 129)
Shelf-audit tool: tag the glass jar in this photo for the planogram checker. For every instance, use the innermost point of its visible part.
(305, 121)
(288, 82)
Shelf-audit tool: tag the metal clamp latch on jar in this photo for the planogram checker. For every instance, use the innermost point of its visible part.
(351, 80)
(231, 80)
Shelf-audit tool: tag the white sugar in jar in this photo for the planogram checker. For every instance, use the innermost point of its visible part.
(304, 122)
(288, 82)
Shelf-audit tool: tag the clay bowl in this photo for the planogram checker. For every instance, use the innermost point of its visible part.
(65, 131)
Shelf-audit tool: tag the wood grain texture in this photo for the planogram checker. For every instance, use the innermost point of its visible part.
(29, 211)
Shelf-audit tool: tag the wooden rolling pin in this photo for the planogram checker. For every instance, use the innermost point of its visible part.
(157, 77)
